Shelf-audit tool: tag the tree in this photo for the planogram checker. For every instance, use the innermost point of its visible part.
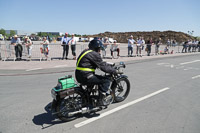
(2, 31)
(12, 32)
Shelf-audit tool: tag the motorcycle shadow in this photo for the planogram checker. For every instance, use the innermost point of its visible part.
(46, 119)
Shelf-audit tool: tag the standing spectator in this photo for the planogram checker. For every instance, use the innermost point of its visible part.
(28, 44)
(139, 47)
(174, 43)
(114, 47)
(131, 41)
(143, 43)
(105, 45)
(65, 43)
(168, 42)
(194, 45)
(73, 46)
(45, 47)
(158, 43)
(198, 45)
(189, 46)
(185, 46)
(149, 44)
(18, 47)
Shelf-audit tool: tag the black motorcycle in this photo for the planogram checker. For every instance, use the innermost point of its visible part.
(71, 99)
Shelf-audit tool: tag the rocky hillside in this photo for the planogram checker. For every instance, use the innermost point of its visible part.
(165, 35)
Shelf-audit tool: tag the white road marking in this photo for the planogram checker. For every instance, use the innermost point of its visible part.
(195, 77)
(119, 108)
(184, 63)
(33, 69)
(61, 66)
(162, 63)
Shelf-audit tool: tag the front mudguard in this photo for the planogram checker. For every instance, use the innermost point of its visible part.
(117, 79)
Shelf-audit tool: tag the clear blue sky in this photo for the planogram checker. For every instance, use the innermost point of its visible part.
(97, 16)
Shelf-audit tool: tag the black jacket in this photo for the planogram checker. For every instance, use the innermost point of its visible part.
(91, 60)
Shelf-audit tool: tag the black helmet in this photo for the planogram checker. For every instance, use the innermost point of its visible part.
(95, 45)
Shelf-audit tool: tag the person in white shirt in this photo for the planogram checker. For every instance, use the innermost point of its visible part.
(72, 42)
(131, 41)
(139, 47)
(65, 43)
(105, 45)
(28, 43)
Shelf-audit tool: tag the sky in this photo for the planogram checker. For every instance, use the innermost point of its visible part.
(98, 16)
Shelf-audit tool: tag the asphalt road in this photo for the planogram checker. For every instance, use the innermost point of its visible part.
(24, 100)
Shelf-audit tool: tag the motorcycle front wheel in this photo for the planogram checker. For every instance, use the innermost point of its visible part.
(68, 105)
(121, 89)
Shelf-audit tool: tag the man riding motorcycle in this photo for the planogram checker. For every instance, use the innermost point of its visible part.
(88, 61)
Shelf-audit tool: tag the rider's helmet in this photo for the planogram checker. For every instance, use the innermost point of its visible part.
(95, 45)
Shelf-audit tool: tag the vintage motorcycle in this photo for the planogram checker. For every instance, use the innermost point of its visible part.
(71, 99)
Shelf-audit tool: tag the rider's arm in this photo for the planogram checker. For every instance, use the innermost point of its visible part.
(97, 60)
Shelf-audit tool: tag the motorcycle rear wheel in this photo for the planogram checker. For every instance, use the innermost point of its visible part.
(121, 89)
(69, 105)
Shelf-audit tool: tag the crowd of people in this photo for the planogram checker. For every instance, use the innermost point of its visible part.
(139, 44)
(191, 46)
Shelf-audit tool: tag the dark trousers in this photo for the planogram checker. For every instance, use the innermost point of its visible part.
(65, 50)
(73, 48)
(148, 50)
(18, 51)
(130, 49)
(184, 49)
(92, 79)
(115, 50)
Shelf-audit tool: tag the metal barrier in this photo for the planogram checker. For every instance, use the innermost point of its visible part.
(7, 51)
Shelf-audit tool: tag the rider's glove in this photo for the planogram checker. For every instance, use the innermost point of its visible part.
(119, 71)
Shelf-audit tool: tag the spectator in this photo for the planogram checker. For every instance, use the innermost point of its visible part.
(168, 42)
(198, 45)
(18, 47)
(105, 44)
(73, 46)
(189, 46)
(45, 47)
(114, 47)
(166, 50)
(139, 47)
(143, 43)
(149, 44)
(174, 43)
(28, 44)
(131, 41)
(158, 43)
(185, 47)
(65, 43)
(194, 45)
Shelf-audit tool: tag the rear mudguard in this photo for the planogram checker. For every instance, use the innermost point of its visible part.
(63, 95)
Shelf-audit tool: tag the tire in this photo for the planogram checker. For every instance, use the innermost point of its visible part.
(68, 105)
(122, 87)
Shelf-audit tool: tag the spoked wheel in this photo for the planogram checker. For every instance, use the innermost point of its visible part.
(68, 105)
(121, 90)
